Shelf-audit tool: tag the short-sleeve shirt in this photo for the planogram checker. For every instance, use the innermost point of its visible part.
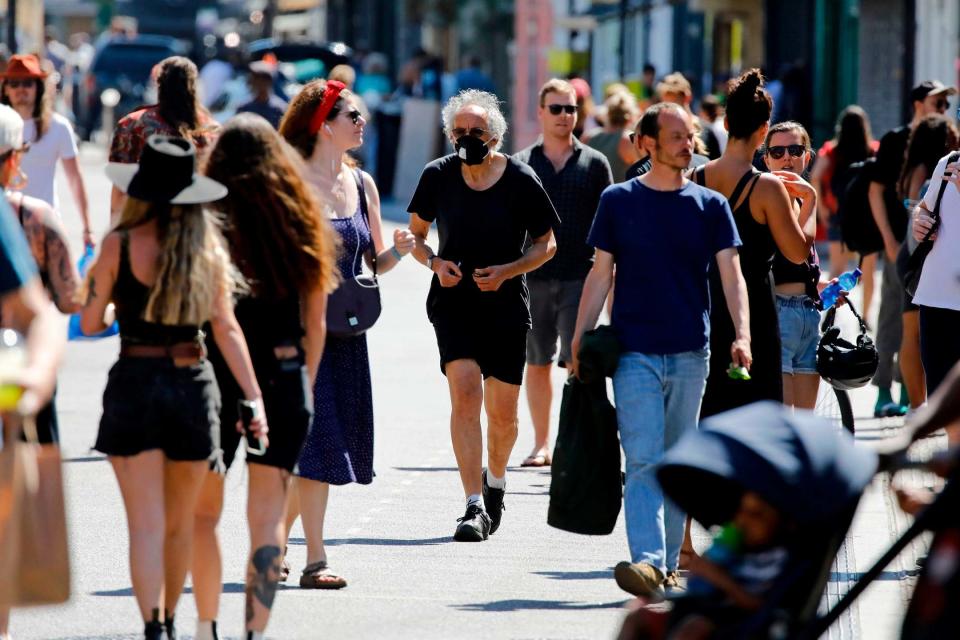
(662, 243)
(39, 163)
(939, 285)
(575, 192)
(481, 229)
(16, 263)
(132, 132)
(890, 157)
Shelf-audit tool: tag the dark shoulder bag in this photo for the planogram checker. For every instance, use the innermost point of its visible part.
(355, 305)
(914, 267)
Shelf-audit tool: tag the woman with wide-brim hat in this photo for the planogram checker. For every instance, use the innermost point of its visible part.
(166, 270)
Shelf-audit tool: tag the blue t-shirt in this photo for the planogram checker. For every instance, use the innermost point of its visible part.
(663, 243)
(16, 261)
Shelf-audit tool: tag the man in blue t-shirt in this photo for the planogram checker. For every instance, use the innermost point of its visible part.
(662, 232)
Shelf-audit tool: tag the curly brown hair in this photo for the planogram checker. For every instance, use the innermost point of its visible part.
(272, 218)
(295, 125)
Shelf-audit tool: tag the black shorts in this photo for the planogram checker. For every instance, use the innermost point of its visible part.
(46, 422)
(501, 353)
(151, 404)
(288, 402)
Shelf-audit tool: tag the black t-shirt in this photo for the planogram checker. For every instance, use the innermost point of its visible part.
(890, 157)
(482, 229)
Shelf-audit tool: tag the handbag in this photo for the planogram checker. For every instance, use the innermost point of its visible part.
(34, 558)
(914, 267)
(355, 306)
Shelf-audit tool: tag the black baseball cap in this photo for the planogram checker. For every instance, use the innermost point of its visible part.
(930, 88)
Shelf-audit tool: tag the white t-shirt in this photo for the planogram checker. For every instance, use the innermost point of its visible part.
(939, 284)
(40, 162)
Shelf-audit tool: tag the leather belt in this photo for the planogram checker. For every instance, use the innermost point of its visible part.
(178, 351)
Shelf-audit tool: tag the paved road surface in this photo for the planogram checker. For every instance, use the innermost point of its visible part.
(391, 540)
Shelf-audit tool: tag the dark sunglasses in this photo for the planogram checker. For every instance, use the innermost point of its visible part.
(555, 109)
(475, 132)
(942, 104)
(20, 84)
(354, 116)
(795, 150)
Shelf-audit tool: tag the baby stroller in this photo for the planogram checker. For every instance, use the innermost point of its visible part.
(798, 463)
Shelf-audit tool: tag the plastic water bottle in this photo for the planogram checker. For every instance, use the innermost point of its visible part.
(724, 553)
(847, 281)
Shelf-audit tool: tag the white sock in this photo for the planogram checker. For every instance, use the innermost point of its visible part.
(476, 499)
(496, 483)
(206, 630)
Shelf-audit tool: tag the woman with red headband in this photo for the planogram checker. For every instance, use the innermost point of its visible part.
(323, 123)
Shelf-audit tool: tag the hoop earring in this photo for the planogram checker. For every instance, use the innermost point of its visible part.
(19, 182)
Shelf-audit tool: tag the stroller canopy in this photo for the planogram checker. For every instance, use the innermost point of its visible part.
(799, 463)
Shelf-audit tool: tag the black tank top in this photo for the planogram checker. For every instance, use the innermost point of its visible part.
(130, 296)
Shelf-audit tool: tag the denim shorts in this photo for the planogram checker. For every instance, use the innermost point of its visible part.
(799, 334)
(149, 403)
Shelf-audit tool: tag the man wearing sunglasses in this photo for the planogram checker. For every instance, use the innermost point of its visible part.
(574, 176)
(929, 97)
(49, 135)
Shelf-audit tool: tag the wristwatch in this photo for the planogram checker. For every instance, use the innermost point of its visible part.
(430, 262)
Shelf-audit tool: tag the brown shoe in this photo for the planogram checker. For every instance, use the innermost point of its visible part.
(640, 579)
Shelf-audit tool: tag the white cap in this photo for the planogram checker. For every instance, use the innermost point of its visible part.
(11, 129)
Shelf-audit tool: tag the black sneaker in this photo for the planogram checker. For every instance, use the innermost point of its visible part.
(474, 525)
(493, 501)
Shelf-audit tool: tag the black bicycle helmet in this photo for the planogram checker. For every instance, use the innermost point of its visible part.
(843, 364)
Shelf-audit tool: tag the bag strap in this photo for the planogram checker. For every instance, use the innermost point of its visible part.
(700, 176)
(935, 214)
(362, 193)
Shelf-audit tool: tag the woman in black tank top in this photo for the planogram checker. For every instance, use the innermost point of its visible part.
(165, 270)
(278, 238)
(764, 215)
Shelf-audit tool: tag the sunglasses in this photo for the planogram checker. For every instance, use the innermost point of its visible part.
(556, 109)
(795, 150)
(942, 104)
(354, 116)
(474, 132)
(20, 84)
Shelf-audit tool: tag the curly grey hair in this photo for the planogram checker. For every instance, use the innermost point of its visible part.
(496, 123)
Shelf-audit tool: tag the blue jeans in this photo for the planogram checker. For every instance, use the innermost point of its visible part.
(658, 400)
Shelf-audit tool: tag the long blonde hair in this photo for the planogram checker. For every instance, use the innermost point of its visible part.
(194, 268)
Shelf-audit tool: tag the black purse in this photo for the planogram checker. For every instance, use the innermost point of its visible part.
(354, 306)
(914, 267)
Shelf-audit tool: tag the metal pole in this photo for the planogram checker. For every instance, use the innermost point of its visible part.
(623, 38)
(12, 25)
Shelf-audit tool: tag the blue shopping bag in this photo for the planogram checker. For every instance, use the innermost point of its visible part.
(73, 329)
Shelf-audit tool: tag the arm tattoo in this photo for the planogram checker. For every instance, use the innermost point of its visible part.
(262, 578)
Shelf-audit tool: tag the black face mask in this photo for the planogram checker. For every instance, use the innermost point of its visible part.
(471, 150)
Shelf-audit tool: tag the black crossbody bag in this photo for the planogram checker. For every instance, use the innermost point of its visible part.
(911, 273)
(355, 305)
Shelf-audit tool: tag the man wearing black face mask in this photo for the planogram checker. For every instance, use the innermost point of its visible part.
(485, 205)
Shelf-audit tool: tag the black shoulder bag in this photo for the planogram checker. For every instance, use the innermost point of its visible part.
(355, 305)
(911, 273)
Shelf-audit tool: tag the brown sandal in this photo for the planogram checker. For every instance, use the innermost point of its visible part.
(284, 566)
(319, 576)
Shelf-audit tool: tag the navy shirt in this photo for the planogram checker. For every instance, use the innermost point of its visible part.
(662, 243)
(272, 110)
(16, 261)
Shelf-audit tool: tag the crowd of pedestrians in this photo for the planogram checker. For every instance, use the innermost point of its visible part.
(232, 250)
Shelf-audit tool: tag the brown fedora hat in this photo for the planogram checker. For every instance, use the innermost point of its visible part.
(21, 67)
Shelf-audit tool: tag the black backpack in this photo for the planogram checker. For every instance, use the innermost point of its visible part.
(857, 228)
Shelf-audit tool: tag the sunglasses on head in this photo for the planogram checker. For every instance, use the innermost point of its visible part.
(19, 84)
(354, 116)
(473, 132)
(556, 109)
(795, 150)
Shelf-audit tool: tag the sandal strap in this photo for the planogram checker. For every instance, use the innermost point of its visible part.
(320, 565)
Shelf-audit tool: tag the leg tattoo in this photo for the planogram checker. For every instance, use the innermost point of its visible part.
(263, 578)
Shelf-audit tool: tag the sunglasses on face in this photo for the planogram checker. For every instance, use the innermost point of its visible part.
(19, 84)
(354, 116)
(473, 132)
(795, 150)
(941, 105)
(556, 109)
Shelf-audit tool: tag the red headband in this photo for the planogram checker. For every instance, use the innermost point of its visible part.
(330, 95)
